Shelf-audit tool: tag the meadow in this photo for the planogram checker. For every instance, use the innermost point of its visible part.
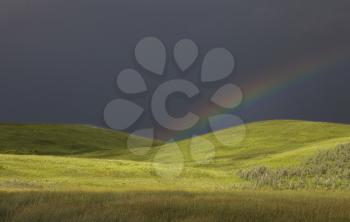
(236, 206)
(283, 170)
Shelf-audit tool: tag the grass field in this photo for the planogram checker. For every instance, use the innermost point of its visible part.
(84, 173)
(236, 206)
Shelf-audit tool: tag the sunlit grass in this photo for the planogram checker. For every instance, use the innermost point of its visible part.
(82, 173)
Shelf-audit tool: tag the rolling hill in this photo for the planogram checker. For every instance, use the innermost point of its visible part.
(74, 157)
(282, 171)
(61, 140)
(276, 142)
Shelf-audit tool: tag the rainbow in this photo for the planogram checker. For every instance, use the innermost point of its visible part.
(279, 79)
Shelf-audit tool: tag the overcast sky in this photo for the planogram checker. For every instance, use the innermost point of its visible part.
(59, 58)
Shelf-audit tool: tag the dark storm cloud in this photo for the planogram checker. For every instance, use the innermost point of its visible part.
(59, 59)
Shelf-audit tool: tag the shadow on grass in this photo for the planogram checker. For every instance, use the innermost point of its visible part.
(239, 206)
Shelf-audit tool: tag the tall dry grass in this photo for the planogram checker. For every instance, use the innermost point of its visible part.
(329, 169)
(240, 206)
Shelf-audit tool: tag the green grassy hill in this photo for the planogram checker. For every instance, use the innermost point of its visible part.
(50, 139)
(83, 173)
(74, 157)
(277, 143)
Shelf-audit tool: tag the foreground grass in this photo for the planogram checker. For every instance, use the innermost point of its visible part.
(50, 173)
(247, 206)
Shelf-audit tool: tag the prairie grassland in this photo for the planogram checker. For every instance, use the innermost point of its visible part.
(329, 169)
(242, 206)
(82, 173)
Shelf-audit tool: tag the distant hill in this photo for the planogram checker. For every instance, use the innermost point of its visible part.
(262, 139)
(51, 139)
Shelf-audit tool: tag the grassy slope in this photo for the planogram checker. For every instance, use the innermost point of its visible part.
(272, 143)
(63, 140)
(73, 160)
(276, 143)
